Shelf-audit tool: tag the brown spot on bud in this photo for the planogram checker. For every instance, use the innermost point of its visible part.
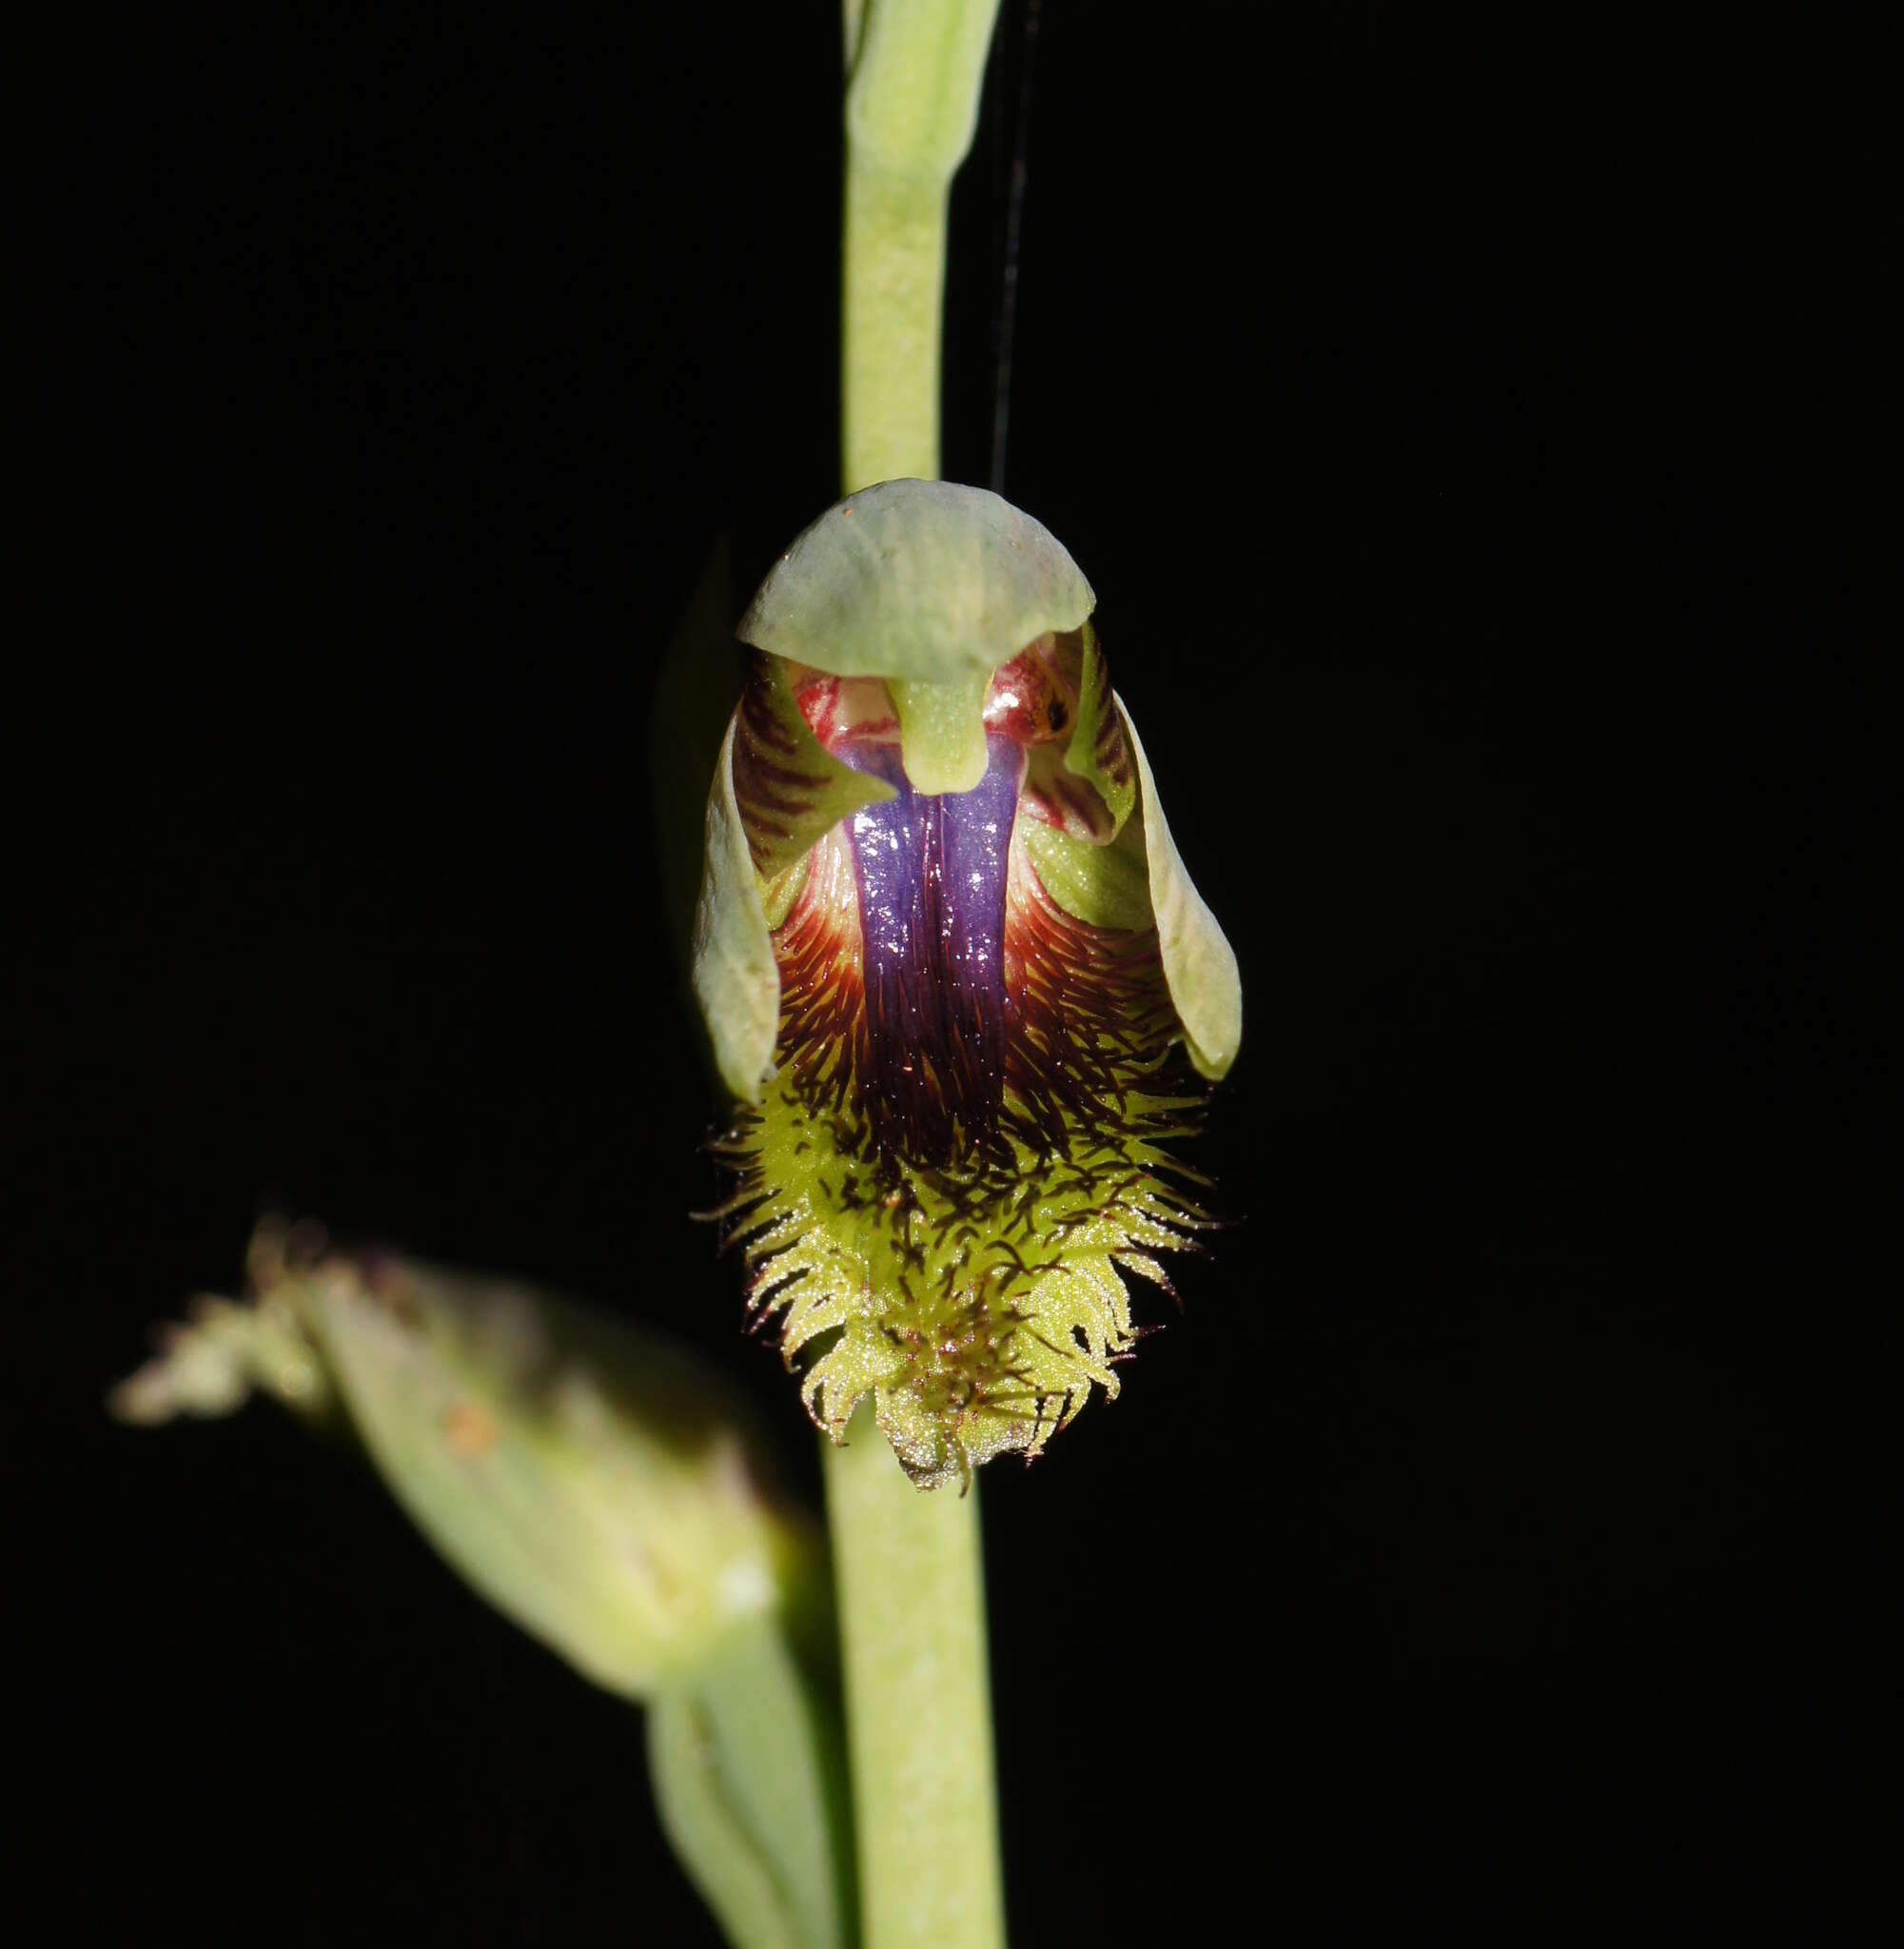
(469, 1431)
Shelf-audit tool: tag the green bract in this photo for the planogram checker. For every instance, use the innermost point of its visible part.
(956, 976)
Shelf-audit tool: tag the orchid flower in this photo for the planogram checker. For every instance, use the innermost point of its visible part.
(957, 978)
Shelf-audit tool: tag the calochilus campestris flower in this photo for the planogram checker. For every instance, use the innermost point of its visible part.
(956, 978)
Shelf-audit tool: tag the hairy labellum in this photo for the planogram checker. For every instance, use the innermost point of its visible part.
(981, 1037)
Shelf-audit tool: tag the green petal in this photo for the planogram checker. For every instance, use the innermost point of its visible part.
(1139, 876)
(942, 731)
(691, 700)
(790, 790)
(932, 586)
(923, 581)
(1103, 886)
(1199, 963)
(1097, 752)
(776, 791)
(735, 977)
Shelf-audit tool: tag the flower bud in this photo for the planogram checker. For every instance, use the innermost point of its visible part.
(591, 1482)
(956, 976)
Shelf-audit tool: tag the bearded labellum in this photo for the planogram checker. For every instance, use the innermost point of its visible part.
(956, 978)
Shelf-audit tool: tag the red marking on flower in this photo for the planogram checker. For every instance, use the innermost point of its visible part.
(845, 711)
(1063, 800)
(822, 985)
(1035, 697)
(819, 701)
(1051, 1047)
(774, 784)
(1090, 1023)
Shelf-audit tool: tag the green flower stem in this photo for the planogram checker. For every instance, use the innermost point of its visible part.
(907, 1572)
(894, 307)
(912, 105)
(910, 1586)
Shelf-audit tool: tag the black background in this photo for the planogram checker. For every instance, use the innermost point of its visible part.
(1452, 408)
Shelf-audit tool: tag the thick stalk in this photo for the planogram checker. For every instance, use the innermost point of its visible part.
(911, 104)
(910, 1586)
(891, 322)
(906, 1566)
